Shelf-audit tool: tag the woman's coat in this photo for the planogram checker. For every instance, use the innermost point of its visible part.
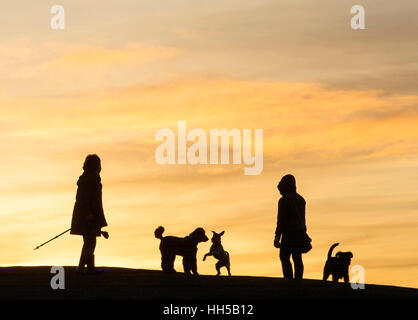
(88, 216)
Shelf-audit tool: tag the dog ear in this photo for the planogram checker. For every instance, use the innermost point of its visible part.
(214, 232)
(198, 231)
(222, 233)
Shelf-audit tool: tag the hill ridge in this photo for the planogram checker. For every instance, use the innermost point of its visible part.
(33, 283)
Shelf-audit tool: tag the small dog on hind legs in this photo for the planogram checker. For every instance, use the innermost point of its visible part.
(219, 253)
(337, 266)
(186, 247)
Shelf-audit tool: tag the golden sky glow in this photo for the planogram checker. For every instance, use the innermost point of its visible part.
(339, 110)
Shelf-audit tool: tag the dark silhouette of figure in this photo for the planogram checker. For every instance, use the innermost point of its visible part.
(291, 228)
(218, 252)
(186, 247)
(337, 266)
(88, 216)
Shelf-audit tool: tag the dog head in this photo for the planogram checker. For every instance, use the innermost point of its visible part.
(198, 235)
(344, 257)
(216, 238)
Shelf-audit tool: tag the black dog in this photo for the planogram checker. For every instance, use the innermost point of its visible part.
(219, 253)
(186, 247)
(337, 266)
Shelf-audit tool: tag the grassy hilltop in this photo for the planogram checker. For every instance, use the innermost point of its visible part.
(120, 283)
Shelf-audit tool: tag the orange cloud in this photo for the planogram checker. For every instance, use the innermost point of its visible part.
(347, 149)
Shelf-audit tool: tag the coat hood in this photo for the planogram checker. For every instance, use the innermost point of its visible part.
(287, 184)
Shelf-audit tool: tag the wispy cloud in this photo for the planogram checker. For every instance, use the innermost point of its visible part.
(338, 109)
(53, 68)
(131, 53)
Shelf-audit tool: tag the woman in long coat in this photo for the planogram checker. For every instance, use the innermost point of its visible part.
(291, 227)
(88, 216)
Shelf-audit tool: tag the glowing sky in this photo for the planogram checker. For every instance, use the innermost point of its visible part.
(339, 110)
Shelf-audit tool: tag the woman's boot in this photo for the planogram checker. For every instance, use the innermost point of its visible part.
(91, 269)
(81, 263)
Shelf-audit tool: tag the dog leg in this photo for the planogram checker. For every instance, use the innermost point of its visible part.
(186, 265)
(326, 275)
(218, 266)
(190, 265)
(193, 265)
(167, 263)
(346, 278)
(207, 255)
(228, 263)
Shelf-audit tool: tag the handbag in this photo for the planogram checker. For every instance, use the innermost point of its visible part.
(307, 245)
(307, 241)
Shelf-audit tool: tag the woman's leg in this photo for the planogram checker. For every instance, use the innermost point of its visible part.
(286, 265)
(88, 251)
(89, 244)
(82, 261)
(297, 261)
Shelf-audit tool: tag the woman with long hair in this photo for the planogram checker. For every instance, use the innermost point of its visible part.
(88, 216)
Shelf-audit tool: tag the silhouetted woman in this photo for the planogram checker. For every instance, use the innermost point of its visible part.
(291, 227)
(88, 217)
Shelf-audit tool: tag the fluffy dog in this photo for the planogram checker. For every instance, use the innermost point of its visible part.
(218, 252)
(186, 247)
(337, 266)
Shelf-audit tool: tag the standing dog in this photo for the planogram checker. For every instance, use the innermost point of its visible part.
(219, 253)
(337, 266)
(186, 247)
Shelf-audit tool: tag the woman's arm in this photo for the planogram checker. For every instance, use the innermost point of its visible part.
(279, 226)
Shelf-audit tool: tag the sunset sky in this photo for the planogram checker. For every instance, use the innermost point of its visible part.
(338, 108)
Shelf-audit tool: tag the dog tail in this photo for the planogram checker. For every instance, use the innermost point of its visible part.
(159, 232)
(332, 248)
